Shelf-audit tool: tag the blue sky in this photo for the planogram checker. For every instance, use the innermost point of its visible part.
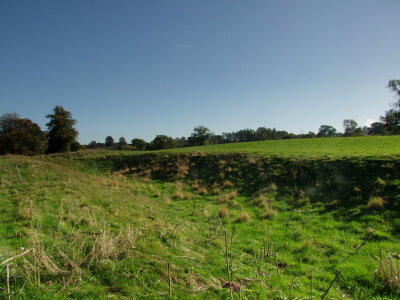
(141, 68)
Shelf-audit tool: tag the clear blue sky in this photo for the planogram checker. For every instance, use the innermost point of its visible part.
(140, 68)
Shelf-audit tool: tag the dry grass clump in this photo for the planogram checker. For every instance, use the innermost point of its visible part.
(108, 245)
(225, 198)
(234, 204)
(202, 190)
(179, 195)
(262, 201)
(25, 208)
(244, 217)
(252, 160)
(388, 272)
(223, 212)
(376, 202)
(115, 183)
(269, 213)
(227, 183)
(167, 199)
(183, 168)
(216, 190)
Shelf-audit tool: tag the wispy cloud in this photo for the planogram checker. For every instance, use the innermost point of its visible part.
(183, 47)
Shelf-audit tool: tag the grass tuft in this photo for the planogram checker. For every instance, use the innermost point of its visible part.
(376, 202)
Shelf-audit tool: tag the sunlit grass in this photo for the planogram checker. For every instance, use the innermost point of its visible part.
(112, 236)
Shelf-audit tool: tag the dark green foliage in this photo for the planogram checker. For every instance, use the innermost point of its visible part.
(95, 145)
(261, 134)
(391, 119)
(109, 142)
(21, 136)
(62, 134)
(326, 131)
(377, 128)
(200, 136)
(351, 128)
(181, 142)
(162, 142)
(122, 141)
(139, 144)
(394, 86)
(216, 139)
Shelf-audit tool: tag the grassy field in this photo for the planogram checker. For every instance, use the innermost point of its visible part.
(117, 236)
(322, 147)
(368, 146)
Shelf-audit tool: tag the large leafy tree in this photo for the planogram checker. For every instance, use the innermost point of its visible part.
(200, 136)
(62, 134)
(377, 128)
(394, 86)
(392, 116)
(139, 144)
(21, 136)
(109, 141)
(326, 131)
(122, 141)
(351, 128)
(162, 142)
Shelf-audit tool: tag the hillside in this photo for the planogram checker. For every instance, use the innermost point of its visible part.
(189, 225)
(314, 147)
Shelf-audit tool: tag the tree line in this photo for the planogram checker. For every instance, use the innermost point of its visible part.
(22, 136)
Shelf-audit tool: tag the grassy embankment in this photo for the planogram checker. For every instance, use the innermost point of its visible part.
(107, 225)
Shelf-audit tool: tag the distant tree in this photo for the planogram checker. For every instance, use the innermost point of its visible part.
(263, 133)
(95, 145)
(21, 136)
(391, 119)
(246, 135)
(92, 145)
(61, 132)
(181, 142)
(229, 137)
(326, 131)
(216, 139)
(200, 136)
(350, 127)
(310, 134)
(394, 86)
(139, 144)
(282, 134)
(122, 141)
(162, 142)
(109, 141)
(377, 128)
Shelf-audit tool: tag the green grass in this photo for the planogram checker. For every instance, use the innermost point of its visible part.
(317, 147)
(368, 146)
(112, 236)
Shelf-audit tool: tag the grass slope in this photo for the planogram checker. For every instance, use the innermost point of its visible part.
(113, 236)
(317, 147)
